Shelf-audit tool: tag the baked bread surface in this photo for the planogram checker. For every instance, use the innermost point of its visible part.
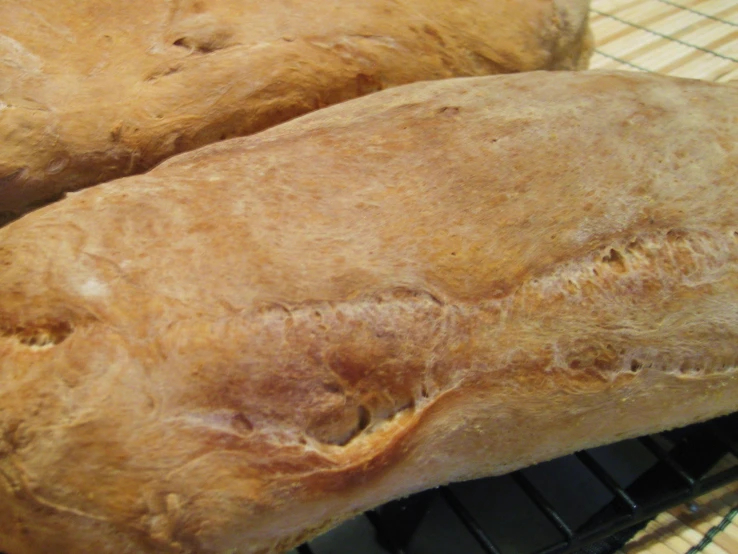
(92, 90)
(260, 338)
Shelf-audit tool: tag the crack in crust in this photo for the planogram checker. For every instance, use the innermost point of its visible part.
(39, 335)
(364, 362)
(358, 376)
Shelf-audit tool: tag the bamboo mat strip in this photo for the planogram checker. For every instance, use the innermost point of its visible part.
(684, 38)
(708, 525)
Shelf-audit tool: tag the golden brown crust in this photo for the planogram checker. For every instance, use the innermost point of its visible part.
(94, 90)
(262, 337)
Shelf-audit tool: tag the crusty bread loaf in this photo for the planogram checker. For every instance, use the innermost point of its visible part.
(92, 90)
(262, 337)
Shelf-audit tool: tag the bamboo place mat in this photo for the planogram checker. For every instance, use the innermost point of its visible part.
(684, 38)
(707, 525)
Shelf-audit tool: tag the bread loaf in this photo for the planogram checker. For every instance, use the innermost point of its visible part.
(260, 338)
(92, 90)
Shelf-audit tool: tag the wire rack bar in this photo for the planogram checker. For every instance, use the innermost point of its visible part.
(606, 479)
(665, 457)
(469, 522)
(540, 501)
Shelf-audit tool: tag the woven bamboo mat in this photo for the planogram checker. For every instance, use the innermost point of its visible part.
(685, 38)
(708, 525)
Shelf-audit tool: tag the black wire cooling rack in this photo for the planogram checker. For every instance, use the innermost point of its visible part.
(590, 502)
